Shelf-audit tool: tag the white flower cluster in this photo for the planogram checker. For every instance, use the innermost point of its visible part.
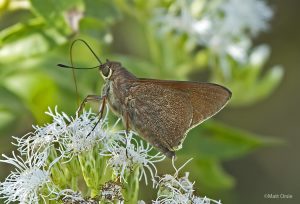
(36, 178)
(225, 27)
(72, 135)
(178, 190)
(127, 153)
(69, 137)
(23, 184)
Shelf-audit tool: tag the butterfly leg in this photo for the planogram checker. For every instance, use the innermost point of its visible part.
(100, 114)
(127, 123)
(127, 128)
(88, 99)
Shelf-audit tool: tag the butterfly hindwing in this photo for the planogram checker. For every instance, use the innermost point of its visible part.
(163, 111)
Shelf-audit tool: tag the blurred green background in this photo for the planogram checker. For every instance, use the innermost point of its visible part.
(248, 150)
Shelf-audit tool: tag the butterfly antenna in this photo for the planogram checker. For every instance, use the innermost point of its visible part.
(74, 74)
(71, 57)
(72, 65)
(89, 47)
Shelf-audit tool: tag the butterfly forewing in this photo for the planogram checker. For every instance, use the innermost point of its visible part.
(163, 111)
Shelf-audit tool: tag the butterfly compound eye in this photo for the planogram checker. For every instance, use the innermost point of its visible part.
(106, 71)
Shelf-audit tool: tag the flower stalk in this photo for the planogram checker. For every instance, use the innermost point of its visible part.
(94, 171)
(131, 187)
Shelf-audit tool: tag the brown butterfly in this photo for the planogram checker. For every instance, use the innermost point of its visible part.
(162, 112)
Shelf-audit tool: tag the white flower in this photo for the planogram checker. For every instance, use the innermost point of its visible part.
(73, 17)
(175, 190)
(81, 134)
(127, 153)
(240, 20)
(43, 137)
(245, 16)
(72, 135)
(225, 27)
(259, 55)
(179, 18)
(23, 184)
(178, 190)
(204, 200)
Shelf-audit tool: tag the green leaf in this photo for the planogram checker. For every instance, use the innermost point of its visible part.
(27, 40)
(270, 81)
(104, 11)
(6, 117)
(4, 5)
(99, 15)
(35, 89)
(53, 12)
(247, 81)
(12, 110)
(209, 173)
(218, 141)
(248, 87)
(94, 28)
(9, 101)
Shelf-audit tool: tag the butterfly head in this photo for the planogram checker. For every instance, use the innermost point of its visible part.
(108, 68)
(111, 70)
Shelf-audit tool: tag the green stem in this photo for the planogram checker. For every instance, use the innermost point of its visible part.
(94, 193)
(127, 9)
(74, 183)
(93, 168)
(131, 188)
